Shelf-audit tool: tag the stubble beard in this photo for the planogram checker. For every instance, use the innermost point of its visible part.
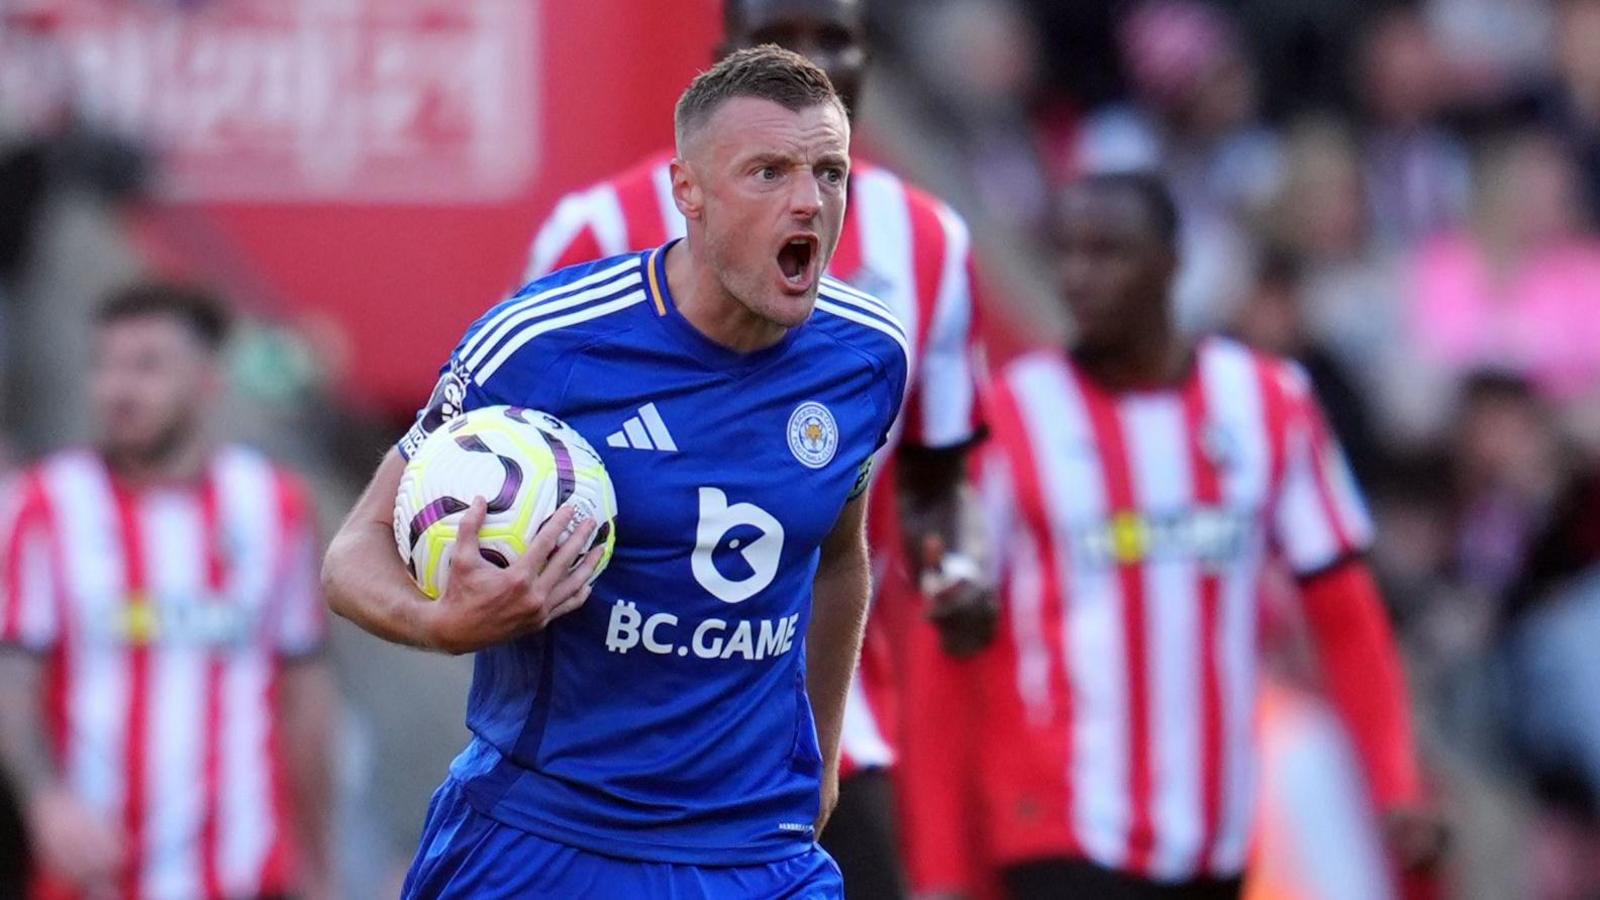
(165, 447)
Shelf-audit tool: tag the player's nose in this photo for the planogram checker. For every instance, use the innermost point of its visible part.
(805, 199)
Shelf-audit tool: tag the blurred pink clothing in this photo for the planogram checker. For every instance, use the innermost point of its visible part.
(1541, 320)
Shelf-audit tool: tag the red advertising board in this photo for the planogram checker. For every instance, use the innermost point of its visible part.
(379, 162)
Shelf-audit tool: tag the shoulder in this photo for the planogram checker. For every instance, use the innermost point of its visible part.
(562, 310)
(72, 470)
(1283, 383)
(863, 324)
(624, 267)
(245, 469)
(925, 209)
(599, 198)
(25, 493)
(599, 220)
(641, 174)
(923, 203)
(262, 494)
(69, 482)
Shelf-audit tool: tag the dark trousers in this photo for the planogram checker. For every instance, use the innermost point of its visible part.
(861, 838)
(1061, 879)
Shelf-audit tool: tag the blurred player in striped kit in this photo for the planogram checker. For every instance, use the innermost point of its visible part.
(1137, 487)
(165, 713)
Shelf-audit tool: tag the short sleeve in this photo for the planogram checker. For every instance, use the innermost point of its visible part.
(897, 371)
(474, 376)
(453, 394)
(29, 586)
(301, 625)
(943, 411)
(863, 477)
(1320, 518)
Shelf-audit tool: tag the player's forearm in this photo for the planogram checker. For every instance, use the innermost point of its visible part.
(362, 576)
(364, 582)
(1365, 679)
(23, 751)
(310, 706)
(833, 642)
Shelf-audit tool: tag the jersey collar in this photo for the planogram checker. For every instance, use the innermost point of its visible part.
(713, 354)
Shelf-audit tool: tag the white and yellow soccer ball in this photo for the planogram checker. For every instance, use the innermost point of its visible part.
(526, 464)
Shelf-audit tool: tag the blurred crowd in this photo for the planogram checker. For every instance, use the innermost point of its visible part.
(1402, 196)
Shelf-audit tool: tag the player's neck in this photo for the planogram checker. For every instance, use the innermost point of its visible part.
(705, 304)
(1153, 359)
(182, 463)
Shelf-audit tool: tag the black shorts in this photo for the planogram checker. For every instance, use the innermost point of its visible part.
(860, 837)
(1061, 879)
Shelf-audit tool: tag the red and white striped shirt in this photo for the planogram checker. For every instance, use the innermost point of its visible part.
(898, 244)
(164, 615)
(1133, 530)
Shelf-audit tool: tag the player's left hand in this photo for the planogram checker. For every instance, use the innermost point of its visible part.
(960, 604)
(1417, 838)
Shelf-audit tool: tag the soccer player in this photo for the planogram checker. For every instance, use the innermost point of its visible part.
(657, 738)
(1137, 486)
(165, 714)
(910, 250)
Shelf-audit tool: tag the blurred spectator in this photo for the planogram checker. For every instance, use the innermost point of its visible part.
(1193, 115)
(1520, 289)
(1552, 624)
(1505, 469)
(1418, 176)
(981, 59)
(1303, 47)
(1571, 105)
(58, 245)
(1273, 319)
(1320, 213)
(1492, 48)
(1506, 473)
(1458, 528)
(1082, 62)
(1509, 470)
(1352, 284)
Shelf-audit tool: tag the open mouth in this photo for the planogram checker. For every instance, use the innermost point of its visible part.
(797, 261)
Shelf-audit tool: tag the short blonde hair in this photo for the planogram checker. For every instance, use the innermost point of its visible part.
(767, 72)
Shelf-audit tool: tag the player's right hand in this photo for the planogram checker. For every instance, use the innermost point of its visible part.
(72, 841)
(960, 604)
(1418, 838)
(483, 604)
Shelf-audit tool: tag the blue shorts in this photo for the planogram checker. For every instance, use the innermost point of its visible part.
(465, 853)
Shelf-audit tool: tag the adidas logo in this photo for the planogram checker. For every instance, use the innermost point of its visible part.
(645, 431)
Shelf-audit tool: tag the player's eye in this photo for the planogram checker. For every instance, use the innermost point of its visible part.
(767, 173)
(833, 175)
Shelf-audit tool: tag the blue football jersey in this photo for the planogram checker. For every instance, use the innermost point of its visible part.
(668, 719)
